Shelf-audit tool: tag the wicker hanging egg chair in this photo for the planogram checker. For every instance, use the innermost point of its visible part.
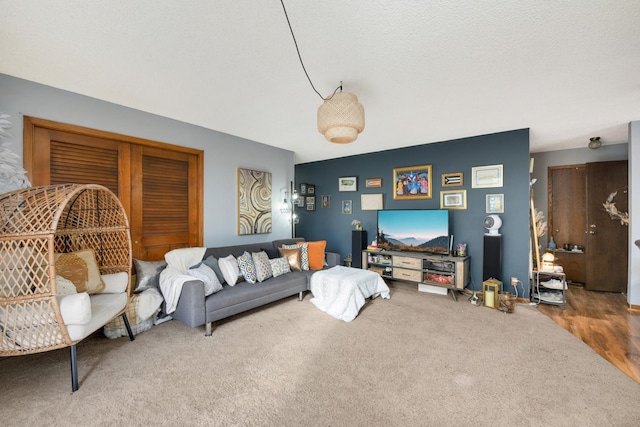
(36, 224)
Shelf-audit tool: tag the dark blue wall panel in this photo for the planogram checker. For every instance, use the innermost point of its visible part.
(510, 149)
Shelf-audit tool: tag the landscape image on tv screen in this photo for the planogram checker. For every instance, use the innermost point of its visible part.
(418, 230)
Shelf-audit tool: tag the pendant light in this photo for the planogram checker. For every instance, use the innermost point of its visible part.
(341, 116)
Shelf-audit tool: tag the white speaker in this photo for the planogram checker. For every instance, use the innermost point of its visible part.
(492, 223)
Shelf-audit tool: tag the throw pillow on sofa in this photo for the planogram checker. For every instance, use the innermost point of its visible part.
(304, 254)
(229, 268)
(279, 266)
(148, 274)
(263, 267)
(247, 268)
(316, 254)
(293, 257)
(204, 273)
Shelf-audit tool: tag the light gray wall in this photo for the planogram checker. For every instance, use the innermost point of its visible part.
(634, 213)
(223, 153)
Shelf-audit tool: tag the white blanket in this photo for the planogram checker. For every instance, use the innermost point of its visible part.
(342, 291)
(171, 282)
(173, 277)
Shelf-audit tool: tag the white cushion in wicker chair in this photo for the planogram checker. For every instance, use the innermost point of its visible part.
(104, 307)
(75, 308)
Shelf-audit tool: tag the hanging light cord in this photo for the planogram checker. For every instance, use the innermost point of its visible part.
(300, 57)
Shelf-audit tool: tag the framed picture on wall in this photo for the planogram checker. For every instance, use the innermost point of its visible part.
(347, 183)
(326, 201)
(412, 182)
(486, 176)
(453, 199)
(373, 182)
(347, 207)
(452, 179)
(495, 203)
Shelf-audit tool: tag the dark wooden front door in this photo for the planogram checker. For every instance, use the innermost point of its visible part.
(607, 239)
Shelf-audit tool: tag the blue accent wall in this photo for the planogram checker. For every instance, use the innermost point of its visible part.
(511, 149)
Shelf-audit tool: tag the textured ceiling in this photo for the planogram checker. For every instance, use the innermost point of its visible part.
(425, 71)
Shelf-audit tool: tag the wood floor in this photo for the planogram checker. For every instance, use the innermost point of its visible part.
(605, 323)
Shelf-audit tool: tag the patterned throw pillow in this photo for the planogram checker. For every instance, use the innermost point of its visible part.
(81, 268)
(247, 268)
(263, 267)
(279, 266)
(304, 253)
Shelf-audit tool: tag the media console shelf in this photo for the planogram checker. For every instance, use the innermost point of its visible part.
(427, 270)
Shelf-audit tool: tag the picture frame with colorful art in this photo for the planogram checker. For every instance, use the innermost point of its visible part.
(347, 207)
(326, 202)
(412, 182)
(347, 183)
(373, 182)
(495, 203)
(453, 199)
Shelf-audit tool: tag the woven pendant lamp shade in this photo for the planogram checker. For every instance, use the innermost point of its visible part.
(341, 118)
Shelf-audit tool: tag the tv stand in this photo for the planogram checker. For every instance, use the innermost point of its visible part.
(429, 271)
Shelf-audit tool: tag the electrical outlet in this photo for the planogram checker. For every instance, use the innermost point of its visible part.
(514, 282)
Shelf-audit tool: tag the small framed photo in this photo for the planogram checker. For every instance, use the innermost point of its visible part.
(311, 206)
(326, 201)
(373, 182)
(311, 189)
(303, 189)
(300, 201)
(452, 179)
(347, 183)
(310, 200)
(453, 199)
(495, 203)
(486, 176)
(347, 206)
(413, 182)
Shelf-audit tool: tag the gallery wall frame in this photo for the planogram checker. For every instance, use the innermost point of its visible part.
(495, 203)
(325, 201)
(453, 199)
(347, 207)
(412, 182)
(254, 202)
(373, 182)
(371, 202)
(490, 176)
(454, 179)
(348, 183)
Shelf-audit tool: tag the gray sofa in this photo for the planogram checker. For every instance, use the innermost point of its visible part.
(194, 309)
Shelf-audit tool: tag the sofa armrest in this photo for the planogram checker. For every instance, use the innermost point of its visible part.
(191, 306)
(333, 259)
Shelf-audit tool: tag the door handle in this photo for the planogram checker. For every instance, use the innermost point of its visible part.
(593, 230)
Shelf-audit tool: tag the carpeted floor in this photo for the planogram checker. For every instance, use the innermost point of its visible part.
(416, 359)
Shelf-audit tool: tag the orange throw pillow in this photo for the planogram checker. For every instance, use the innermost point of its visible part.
(316, 254)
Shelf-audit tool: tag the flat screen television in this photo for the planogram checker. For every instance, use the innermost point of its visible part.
(416, 230)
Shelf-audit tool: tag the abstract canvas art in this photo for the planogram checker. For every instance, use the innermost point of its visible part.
(254, 202)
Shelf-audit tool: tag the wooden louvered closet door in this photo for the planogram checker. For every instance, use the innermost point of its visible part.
(160, 203)
(158, 184)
